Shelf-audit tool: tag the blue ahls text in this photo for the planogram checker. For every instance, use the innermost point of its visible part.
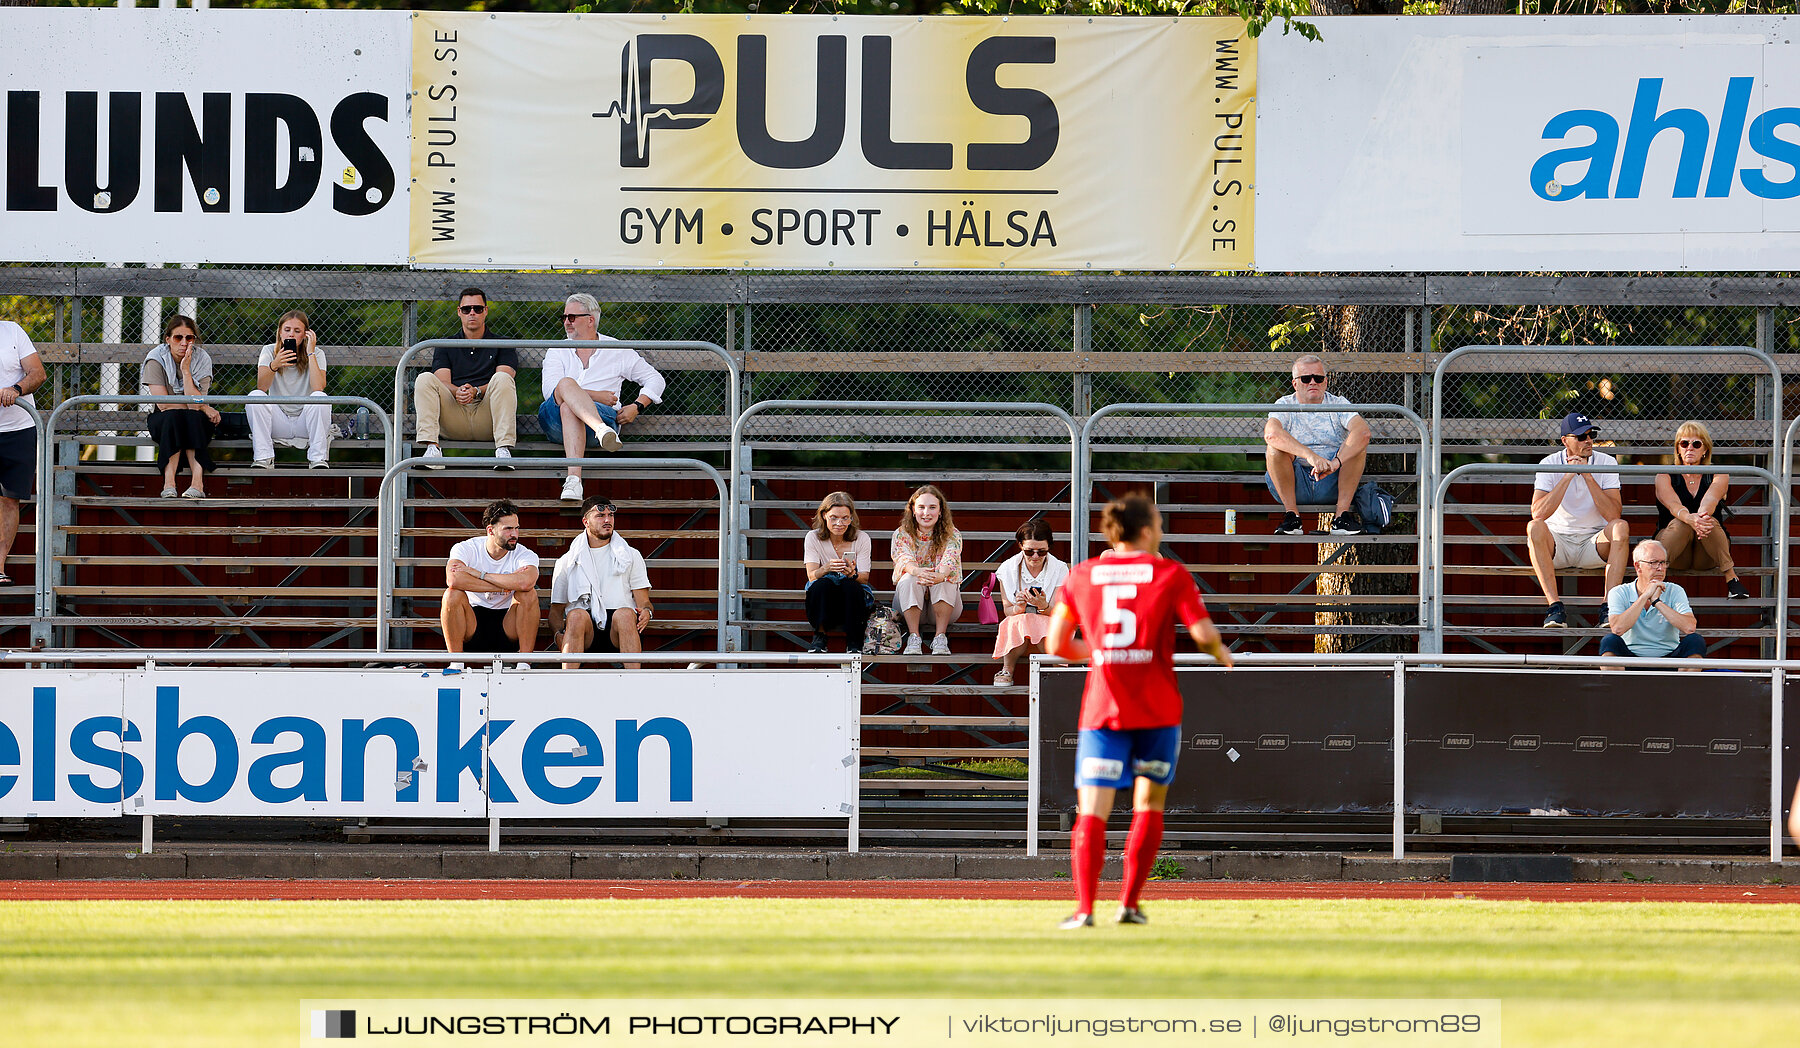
(456, 755)
(1695, 130)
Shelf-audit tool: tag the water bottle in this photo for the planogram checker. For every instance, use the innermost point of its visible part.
(362, 423)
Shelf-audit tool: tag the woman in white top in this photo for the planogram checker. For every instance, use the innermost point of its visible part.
(1028, 585)
(291, 366)
(837, 572)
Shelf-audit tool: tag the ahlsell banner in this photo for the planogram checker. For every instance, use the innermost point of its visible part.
(1531, 144)
(825, 142)
(204, 136)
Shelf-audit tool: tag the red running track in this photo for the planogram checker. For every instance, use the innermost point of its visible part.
(1057, 890)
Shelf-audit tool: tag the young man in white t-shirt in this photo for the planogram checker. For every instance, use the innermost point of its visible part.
(600, 592)
(1575, 517)
(21, 372)
(490, 596)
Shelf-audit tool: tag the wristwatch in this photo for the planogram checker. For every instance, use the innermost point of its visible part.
(21, 389)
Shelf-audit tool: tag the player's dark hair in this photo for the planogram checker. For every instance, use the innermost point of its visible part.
(1035, 528)
(180, 321)
(477, 292)
(594, 502)
(496, 512)
(1126, 517)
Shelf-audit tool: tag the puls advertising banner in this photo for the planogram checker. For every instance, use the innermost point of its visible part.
(831, 142)
(648, 744)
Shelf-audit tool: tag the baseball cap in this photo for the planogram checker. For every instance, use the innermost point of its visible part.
(1575, 424)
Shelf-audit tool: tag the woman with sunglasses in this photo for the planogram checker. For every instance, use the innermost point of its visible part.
(1690, 511)
(1028, 584)
(178, 366)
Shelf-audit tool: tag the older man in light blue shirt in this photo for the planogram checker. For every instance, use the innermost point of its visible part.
(1315, 456)
(1651, 618)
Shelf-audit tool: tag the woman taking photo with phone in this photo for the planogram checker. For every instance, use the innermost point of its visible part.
(1028, 584)
(291, 366)
(178, 366)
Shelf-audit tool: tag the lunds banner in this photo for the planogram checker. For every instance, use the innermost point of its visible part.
(832, 142)
(204, 136)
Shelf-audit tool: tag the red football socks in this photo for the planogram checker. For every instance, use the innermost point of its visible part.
(1140, 853)
(1087, 853)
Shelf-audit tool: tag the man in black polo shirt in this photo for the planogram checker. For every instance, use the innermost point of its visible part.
(469, 394)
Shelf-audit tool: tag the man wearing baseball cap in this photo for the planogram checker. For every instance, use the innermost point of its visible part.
(1575, 517)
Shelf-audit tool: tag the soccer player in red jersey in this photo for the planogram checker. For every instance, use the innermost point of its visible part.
(1126, 601)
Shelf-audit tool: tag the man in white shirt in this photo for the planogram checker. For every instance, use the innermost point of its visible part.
(1576, 518)
(1315, 456)
(600, 593)
(490, 588)
(21, 372)
(582, 389)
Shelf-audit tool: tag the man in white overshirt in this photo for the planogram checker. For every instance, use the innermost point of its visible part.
(600, 593)
(582, 389)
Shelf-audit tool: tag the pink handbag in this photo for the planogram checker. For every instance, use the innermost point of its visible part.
(987, 613)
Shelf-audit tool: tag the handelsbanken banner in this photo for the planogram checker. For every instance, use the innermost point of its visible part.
(821, 142)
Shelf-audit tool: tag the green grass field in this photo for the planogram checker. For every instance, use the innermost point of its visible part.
(232, 973)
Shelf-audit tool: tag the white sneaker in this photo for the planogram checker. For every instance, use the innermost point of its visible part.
(523, 666)
(267, 463)
(609, 439)
(940, 645)
(318, 464)
(571, 489)
(432, 451)
(915, 645)
(454, 667)
(503, 454)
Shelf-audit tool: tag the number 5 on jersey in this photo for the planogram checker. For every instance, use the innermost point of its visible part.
(1112, 615)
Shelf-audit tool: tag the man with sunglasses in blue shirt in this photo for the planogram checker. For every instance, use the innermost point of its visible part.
(1316, 456)
(1576, 519)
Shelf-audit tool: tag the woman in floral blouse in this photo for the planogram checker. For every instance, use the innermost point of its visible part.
(927, 556)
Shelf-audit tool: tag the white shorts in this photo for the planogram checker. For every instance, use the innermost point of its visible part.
(1577, 551)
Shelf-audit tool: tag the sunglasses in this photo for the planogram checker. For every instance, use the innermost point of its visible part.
(570, 318)
(1690, 444)
(471, 310)
(181, 338)
(1585, 438)
(1036, 552)
(1310, 379)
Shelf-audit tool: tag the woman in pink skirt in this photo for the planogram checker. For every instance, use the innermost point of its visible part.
(1028, 585)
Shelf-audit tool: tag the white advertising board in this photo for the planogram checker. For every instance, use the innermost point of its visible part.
(579, 744)
(60, 744)
(673, 743)
(151, 135)
(1532, 144)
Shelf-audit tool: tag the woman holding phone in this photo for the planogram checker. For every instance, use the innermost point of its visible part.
(837, 572)
(1028, 585)
(291, 366)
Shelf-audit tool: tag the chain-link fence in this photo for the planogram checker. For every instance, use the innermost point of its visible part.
(1080, 343)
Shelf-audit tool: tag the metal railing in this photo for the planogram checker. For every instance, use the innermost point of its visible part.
(1426, 595)
(388, 541)
(46, 517)
(1776, 670)
(733, 385)
(1510, 468)
(740, 468)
